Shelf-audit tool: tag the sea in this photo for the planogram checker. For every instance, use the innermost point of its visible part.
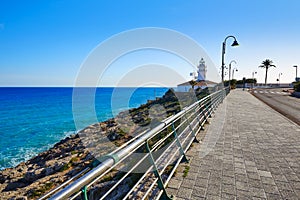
(33, 119)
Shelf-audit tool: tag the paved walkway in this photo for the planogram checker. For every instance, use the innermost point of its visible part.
(256, 155)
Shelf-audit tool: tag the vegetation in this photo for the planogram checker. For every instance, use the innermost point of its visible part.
(193, 83)
(65, 167)
(233, 83)
(40, 191)
(248, 80)
(297, 86)
(266, 64)
(186, 171)
(74, 152)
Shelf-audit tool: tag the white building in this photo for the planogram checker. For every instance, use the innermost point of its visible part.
(200, 82)
(202, 70)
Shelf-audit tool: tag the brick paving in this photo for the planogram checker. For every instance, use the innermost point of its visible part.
(252, 152)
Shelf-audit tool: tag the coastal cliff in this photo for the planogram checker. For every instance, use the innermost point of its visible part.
(49, 169)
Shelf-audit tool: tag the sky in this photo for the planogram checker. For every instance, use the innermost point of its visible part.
(46, 43)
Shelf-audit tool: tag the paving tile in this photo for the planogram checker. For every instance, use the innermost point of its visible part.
(264, 173)
(196, 198)
(241, 194)
(228, 196)
(203, 174)
(284, 186)
(174, 183)
(178, 198)
(292, 177)
(239, 165)
(279, 177)
(267, 180)
(228, 189)
(239, 171)
(297, 192)
(214, 190)
(212, 197)
(199, 192)
(288, 194)
(201, 182)
(251, 169)
(254, 157)
(258, 192)
(253, 175)
(214, 181)
(228, 180)
(272, 189)
(257, 198)
(188, 183)
(172, 191)
(242, 186)
(273, 196)
(295, 184)
(191, 175)
(184, 193)
(241, 177)
(228, 173)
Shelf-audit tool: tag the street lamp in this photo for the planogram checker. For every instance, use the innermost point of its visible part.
(235, 43)
(279, 78)
(296, 72)
(233, 61)
(234, 69)
(253, 79)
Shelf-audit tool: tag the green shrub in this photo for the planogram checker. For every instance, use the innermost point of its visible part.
(65, 167)
(297, 86)
(186, 171)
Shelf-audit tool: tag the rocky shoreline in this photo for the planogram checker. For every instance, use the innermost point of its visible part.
(49, 169)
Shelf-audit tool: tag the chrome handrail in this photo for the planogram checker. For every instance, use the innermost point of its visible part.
(201, 110)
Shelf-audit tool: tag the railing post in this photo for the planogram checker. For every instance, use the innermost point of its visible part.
(192, 130)
(202, 112)
(160, 182)
(84, 193)
(179, 144)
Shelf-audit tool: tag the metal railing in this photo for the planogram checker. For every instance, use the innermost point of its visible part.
(142, 167)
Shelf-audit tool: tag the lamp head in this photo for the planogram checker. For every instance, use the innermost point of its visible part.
(235, 43)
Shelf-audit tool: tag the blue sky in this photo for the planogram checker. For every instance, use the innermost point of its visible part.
(44, 43)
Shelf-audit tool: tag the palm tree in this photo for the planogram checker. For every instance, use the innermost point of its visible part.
(267, 64)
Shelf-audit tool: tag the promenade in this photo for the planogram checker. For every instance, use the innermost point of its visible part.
(255, 154)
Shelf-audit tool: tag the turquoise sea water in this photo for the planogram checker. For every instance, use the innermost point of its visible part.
(33, 119)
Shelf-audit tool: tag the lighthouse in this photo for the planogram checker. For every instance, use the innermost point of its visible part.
(202, 69)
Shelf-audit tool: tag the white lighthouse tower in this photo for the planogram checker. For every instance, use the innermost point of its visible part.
(202, 69)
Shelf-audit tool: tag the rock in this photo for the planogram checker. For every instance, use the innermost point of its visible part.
(18, 198)
(32, 176)
(14, 185)
(48, 171)
(58, 166)
(2, 179)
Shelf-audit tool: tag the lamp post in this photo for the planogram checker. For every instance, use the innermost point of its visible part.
(235, 43)
(233, 61)
(296, 71)
(234, 69)
(253, 79)
(279, 78)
